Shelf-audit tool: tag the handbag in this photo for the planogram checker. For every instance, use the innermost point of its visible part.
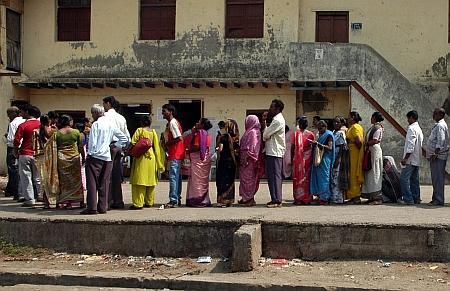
(318, 153)
(141, 147)
(367, 160)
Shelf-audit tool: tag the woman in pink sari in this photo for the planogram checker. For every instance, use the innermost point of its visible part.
(301, 164)
(198, 184)
(250, 149)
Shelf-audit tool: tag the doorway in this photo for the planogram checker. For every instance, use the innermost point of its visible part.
(332, 27)
(77, 116)
(133, 113)
(188, 112)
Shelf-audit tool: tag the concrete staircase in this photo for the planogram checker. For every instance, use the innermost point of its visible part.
(374, 79)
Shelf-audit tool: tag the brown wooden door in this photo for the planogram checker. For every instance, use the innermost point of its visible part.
(332, 27)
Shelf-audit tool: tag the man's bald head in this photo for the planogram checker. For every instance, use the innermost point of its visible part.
(12, 112)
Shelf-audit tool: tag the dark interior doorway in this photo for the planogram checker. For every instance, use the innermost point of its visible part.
(332, 27)
(77, 116)
(133, 114)
(188, 112)
(257, 112)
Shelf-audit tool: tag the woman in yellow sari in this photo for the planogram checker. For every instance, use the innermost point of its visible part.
(144, 171)
(355, 140)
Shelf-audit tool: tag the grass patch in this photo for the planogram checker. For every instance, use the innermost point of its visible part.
(15, 250)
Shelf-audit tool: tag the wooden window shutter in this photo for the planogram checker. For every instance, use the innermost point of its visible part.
(157, 19)
(244, 19)
(74, 20)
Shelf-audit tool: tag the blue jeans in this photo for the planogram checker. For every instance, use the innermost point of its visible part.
(175, 181)
(409, 181)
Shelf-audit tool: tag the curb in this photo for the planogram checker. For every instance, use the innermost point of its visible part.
(12, 276)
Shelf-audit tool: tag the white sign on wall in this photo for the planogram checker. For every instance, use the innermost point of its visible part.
(159, 115)
(318, 54)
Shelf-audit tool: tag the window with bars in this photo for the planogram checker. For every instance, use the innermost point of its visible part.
(13, 46)
(157, 19)
(74, 20)
(244, 19)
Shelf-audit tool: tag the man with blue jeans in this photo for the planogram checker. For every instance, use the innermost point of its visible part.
(412, 152)
(173, 140)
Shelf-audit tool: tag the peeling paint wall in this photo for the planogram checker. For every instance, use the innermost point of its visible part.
(411, 34)
(199, 50)
(8, 92)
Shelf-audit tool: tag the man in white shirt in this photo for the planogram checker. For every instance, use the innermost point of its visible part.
(437, 153)
(98, 162)
(412, 151)
(118, 121)
(274, 137)
(12, 188)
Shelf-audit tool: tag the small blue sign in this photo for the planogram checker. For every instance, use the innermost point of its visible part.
(356, 26)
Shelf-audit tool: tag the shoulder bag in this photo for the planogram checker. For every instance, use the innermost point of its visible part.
(318, 153)
(141, 147)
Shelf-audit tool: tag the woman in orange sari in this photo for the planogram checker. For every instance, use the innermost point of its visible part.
(301, 164)
(355, 141)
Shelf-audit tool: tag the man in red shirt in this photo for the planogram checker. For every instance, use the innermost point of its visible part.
(23, 148)
(175, 150)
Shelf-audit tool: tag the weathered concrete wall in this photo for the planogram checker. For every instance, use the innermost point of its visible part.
(280, 239)
(414, 39)
(128, 238)
(396, 94)
(220, 103)
(315, 242)
(199, 50)
(8, 92)
(410, 34)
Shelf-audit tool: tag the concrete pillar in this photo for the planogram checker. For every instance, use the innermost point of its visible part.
(247, 248)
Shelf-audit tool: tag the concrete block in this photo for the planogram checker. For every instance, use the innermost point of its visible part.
(247, 248)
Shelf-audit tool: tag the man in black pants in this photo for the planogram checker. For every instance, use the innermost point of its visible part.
(118, 121)
(15, 119)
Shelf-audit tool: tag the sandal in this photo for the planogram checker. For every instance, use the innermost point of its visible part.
(354, 201)
(249, 203)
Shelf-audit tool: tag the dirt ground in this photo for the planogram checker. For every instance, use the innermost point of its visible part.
(375, 274)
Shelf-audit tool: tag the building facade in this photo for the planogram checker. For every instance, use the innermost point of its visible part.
(228, 58)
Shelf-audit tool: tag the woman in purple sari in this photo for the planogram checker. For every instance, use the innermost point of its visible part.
(250, 149)
(198, 184)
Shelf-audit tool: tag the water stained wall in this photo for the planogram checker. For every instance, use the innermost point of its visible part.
(197, 54)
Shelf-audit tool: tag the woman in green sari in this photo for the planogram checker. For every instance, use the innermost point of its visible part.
(66, 144)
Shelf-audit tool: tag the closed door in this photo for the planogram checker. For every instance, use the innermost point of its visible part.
(332, 27)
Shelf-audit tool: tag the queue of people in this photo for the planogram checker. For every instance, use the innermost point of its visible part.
(57, 163)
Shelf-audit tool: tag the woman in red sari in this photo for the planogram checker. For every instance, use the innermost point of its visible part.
(301, 164)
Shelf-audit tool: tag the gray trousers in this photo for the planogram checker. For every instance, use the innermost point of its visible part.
(274, 173)
(437, 167)
(29, 178)
(98, 180)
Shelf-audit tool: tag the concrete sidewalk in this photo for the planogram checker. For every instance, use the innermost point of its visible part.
(386, 214)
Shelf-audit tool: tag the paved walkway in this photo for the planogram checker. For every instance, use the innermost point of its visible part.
(342, 214)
